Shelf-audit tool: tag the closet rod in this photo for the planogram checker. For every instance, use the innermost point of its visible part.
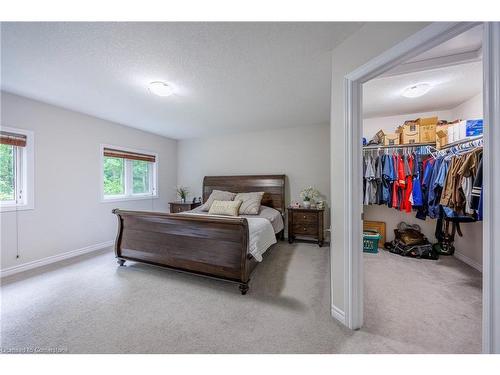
(376, 147)
(462, 142)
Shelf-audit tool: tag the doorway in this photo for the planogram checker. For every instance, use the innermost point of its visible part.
(422, 265)
(425, 40)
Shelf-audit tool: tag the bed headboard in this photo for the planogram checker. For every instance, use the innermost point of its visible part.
(272, 185)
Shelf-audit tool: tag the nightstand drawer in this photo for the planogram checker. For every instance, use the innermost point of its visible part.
(176, 207)
(308, 229)
(305, 217)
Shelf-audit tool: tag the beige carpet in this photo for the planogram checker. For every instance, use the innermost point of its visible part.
(90, 305)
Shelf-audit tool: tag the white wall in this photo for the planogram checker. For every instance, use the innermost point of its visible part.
(469, 110)
(370, 41)
(302, 153)
(68, 214)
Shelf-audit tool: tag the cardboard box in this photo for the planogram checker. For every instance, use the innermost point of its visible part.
(427, 129)
(449, 129)
(427, 133)
(380, 135)
(442, 133)
(441, 138)
(409, 132)
(410, 126)
(427, 121)
(391, 139)
(409, 138)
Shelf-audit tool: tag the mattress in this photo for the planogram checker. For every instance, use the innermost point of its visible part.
(271, 214)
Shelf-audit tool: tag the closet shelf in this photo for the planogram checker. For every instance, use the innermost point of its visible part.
(376, 147)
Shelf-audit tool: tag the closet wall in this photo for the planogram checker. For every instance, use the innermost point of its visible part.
(469, 247)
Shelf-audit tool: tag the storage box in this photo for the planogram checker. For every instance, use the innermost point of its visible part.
(427, 129)
(409, 132)
(410, 126)
(378, 226)
(409, 138)
(442, 133)
(441, 138)
(453, 132)
(427, 133)
(462, 126)
(370, 241)
(391, 139)
(380, 135)
(474, 128)
(427, 121)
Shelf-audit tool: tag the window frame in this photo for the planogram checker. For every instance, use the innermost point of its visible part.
(25, 180)
(128, 177)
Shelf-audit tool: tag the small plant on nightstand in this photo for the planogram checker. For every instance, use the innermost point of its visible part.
(307, 195)
(182, 192)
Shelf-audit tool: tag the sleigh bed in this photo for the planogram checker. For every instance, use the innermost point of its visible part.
(210, 246)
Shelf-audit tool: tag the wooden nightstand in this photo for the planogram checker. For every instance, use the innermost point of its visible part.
(181, 207)
(303, 222)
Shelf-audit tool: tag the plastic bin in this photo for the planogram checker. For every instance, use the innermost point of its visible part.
(370, 241)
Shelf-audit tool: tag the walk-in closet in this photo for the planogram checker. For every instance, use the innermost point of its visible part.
(422, 198)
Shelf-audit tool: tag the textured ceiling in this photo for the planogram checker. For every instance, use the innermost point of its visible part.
(229, 77)
(451, 86)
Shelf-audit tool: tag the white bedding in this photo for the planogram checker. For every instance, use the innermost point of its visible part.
(260, 232)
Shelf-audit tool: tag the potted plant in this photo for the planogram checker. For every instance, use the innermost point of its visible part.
(307, 195)
(182, 192)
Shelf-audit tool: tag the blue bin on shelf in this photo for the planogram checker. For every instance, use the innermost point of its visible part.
(370, 241)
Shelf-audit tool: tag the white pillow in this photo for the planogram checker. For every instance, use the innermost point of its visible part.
(217, 195)
(228, 208)
(251, 202)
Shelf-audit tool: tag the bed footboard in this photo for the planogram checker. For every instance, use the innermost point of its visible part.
(212, 247)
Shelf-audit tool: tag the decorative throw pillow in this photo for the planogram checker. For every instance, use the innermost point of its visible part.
(251, 202)
(217, 195)
(228, 208)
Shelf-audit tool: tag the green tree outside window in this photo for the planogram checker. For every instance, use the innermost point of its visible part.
(7, 172)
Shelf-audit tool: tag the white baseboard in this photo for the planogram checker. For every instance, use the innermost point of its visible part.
(338, 314)
(54, 258)
(469, 261)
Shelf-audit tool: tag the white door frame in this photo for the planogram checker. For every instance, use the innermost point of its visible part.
(423, 40)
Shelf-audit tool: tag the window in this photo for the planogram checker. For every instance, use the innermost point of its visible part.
(16, 169)
(128, 174)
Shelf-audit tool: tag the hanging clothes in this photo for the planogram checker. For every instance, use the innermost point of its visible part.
(447, 184)
(378, 180)
(370, 183)
(416, 198)
(477, 187)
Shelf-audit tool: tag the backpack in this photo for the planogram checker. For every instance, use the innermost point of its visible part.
(410, 241)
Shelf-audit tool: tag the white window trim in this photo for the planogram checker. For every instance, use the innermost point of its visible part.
(129, 197)
(27, 185)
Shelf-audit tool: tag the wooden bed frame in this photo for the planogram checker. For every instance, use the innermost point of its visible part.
(214, 247)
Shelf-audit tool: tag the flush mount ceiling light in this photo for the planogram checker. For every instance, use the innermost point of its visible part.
(161, 88)
(414, 91)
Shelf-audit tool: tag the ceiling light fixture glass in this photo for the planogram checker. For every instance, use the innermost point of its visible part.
(161, 88)
(414, 91)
